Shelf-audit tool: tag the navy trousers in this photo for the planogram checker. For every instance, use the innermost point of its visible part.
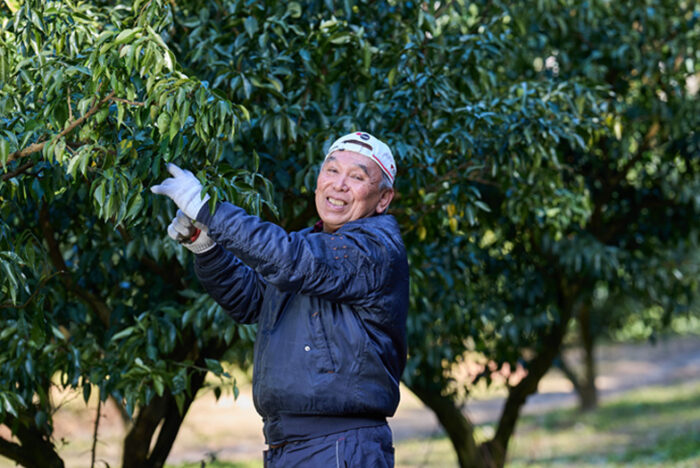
(366, 447)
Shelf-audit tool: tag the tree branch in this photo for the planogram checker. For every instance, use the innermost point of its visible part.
(126, 101)
(35, 449)
(20, 170)
(568, 372)
(13, 452)
(98, 306)
(8, 305)
(70, 110)
(36, 147)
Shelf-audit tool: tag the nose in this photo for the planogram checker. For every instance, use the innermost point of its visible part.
(339, 183)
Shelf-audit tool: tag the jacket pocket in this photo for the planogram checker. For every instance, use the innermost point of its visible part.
(327, 362)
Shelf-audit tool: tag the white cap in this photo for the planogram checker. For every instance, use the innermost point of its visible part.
(365, 144)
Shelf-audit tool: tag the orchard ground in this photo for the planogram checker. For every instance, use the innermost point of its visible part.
(229, 430)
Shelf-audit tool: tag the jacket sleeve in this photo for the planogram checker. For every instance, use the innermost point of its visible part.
(235, 286)
(351, 265)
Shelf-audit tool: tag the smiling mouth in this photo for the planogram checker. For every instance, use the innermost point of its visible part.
(336, 202)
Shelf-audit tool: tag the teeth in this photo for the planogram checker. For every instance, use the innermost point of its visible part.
(335, 202)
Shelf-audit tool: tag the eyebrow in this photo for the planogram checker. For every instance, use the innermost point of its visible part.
(364, 169)
(361, 166)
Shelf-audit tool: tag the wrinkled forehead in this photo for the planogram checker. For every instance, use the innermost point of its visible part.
(353, 159)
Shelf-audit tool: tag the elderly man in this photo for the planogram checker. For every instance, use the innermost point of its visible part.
(330, 303)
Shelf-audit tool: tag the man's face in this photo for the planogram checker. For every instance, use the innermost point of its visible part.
(347, 189)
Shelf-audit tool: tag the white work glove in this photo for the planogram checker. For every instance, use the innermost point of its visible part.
(184, 189)
(191, 234)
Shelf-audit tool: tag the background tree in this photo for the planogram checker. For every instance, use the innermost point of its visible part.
(638, 245)
(632, 237)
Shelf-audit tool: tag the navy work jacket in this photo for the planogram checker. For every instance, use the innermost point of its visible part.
(331, 314)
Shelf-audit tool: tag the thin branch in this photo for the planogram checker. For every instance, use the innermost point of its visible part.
(8, 305)
(20, 170)
(126, 101)
(70, 110)
(94, 434)
(36, 147)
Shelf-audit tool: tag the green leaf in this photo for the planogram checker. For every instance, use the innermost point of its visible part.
(174, 126)
(214, 366)
(135, 205)
(168, 60)
(483, 206)
(163, 122)
(13, 5)
(127, 35)
(4, 152)
(158, 385)
(99, 193)
(9, 407)
(251, 25)
(244, 110)
(124, 333)
(87, 389)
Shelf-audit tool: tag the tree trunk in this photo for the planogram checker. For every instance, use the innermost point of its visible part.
(492, 454)
(35, 449)
(517, 395)
(458, 427)
(588, 395)
(583, 381)
(536, 369)
(163, 412)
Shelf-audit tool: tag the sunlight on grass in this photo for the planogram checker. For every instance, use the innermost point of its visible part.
(658, 426)
(653, 427)
(429, 452)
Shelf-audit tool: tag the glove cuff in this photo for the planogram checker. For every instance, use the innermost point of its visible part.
(200, 243)
(194, 205)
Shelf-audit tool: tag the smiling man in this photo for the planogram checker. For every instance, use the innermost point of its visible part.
(330, 303)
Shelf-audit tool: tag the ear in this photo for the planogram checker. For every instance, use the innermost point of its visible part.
(384, 200)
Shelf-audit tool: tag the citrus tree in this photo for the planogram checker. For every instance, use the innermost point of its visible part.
(92, 104)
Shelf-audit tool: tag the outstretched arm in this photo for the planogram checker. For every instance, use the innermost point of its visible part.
(352, 265)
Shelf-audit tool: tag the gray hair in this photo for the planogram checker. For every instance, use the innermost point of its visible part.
(385, 183)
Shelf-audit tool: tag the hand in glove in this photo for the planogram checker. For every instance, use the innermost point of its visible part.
(191, 234)
(184, 189)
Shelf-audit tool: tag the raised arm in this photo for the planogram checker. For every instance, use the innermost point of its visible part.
(351, 265)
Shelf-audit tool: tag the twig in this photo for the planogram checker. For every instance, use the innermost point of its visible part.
(20, 170)
(70, 111)
(94, 434)
(126, 101)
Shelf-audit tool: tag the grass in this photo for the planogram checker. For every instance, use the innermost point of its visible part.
(651, 427)
(656, 426)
